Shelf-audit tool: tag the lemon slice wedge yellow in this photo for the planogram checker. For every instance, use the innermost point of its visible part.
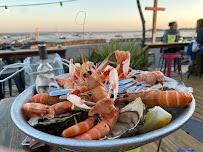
(156, 118)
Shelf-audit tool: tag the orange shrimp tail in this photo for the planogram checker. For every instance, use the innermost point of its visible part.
(79, 128)
(61, 107)
(100, 130)
(173, 99)
(44, 98)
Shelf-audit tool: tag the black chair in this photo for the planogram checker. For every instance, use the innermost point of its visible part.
(18, 80)
(164, 61)
(198, 69)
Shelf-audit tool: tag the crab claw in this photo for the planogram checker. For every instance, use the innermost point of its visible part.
(104, 63)
(113, 79)
(78, 102)
(126, 64)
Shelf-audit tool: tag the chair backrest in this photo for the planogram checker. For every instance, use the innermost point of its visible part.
(161, 49)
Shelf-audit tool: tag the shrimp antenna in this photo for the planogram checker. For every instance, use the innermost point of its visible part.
(82, 53)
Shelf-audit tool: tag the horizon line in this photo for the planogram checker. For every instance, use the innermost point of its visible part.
(159, 29)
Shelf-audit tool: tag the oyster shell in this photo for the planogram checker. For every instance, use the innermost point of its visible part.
(56, 125)
(43, 83)
(130, 120)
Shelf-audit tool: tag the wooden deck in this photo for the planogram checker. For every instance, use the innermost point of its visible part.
(196, 83)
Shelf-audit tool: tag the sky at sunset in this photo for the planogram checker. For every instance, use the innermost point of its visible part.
(102, 15)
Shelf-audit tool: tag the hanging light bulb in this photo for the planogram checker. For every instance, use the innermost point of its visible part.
(61, 4)
(6, 9)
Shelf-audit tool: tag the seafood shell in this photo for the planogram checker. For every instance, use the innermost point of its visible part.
(56, 125)
(43, 83)
(130, 120)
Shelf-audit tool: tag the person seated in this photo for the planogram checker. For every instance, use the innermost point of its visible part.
(199, 31)
(172, 31)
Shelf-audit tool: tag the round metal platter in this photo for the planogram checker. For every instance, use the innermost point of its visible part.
(180, 117)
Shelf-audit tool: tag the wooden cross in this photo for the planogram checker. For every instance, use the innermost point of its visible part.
(155, 9)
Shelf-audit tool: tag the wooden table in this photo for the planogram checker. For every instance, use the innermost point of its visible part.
(11, 136)
(30, 52)
(163, 45)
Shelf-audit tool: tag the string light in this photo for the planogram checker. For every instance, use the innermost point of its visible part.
(6, 9)
(61, 4)
(36, 4)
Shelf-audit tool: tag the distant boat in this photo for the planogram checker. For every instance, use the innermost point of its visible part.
(5, 37)
(117, 35)
(62, 37)
(75, 34)
(33, 37)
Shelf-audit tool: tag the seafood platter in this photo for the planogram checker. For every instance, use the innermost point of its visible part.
(105, 107)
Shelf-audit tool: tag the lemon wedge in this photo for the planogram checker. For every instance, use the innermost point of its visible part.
(156, 118)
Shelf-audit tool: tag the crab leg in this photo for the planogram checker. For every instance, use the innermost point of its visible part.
(104, 63)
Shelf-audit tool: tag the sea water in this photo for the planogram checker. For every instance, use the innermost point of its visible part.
(69, 36)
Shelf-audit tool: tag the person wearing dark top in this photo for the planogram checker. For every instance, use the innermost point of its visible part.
(172, 31)
(199, 31)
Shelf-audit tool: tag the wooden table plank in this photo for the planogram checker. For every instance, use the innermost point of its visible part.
(173, 142)
(196, 83)
(31, 52)
(10, 136)
(162, 45)
(166, 45)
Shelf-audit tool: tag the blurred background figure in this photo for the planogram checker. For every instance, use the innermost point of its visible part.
(199, 42)
(172, 31)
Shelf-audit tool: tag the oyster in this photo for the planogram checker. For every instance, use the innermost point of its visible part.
(130, 120)
(43, 83)
(56, 125)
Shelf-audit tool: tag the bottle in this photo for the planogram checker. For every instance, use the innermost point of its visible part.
(44, 68)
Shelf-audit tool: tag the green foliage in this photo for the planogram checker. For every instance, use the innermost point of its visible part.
(137, 53)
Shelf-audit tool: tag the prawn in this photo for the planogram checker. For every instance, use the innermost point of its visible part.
(151, 98)
(45, 98)
(39, 109)
(79, 128)
(150, 78)
(101, 129)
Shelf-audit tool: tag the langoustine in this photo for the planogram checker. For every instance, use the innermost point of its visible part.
(38, 109)
(171, 99)
(45, 98)
(101, 129)
(150, 78)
